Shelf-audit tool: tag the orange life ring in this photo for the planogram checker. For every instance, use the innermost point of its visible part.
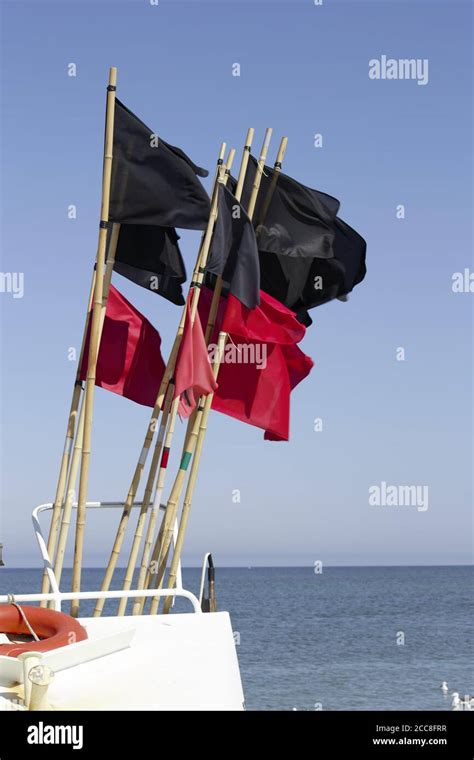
(55, 629)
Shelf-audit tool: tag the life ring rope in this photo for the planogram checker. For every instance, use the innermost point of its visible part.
(11, 600)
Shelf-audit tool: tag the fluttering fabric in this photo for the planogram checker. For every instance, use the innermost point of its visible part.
(193, 372)
(304, 283)
(308, 255)
(150, 257)
(234, 252)
(290, 218)
(129, 362)
(153, 182)
(262, 362)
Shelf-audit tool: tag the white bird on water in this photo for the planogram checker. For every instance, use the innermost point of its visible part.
(444, 687)
(462, 704)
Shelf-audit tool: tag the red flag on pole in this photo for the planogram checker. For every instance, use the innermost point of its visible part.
(261, 364)
(193, 374)
(130, 361)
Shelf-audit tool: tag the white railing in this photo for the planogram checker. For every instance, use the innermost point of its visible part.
(57, 596)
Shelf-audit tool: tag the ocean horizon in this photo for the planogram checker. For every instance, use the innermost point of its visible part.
(332, 638)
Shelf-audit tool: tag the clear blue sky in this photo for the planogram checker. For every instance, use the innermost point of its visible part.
(304, 70)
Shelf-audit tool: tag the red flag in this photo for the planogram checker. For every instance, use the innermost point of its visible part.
(129, 361)
(193, 374)
(262, 363)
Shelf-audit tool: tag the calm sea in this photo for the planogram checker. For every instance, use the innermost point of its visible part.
(380, 638)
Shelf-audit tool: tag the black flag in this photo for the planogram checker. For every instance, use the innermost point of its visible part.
(308, 255)
(152, 181)
(290, 218)
(234, 252)
(150, 257)
(302, 283)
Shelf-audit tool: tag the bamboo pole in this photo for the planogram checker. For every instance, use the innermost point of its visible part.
(200, 442)
(69, 439)
(145, 559)
(76, 454)
(94, 339)
(259, 172)
(190, 487)
(195, 424)
(137, 538)
(244, 162)
(172, 505)
(197, 277)
(142, 576)
(276, 171)
(150, 573)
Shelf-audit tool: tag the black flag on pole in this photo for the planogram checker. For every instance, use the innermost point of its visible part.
(290, 218)
(308, 255)
(234, 252)
(150, 257)
(153, 182)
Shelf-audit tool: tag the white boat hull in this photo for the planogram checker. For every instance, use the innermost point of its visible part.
(172, 662)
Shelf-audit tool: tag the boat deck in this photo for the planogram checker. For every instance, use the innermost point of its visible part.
(173, 662)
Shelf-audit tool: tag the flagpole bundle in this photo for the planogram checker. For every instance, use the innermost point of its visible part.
(172, 504)
(137, 538)
(162, 544)
(94, 339)
(173, 500)
(194, 425)
(164, 462)
(197, 278)
(150, 531)
(144, 574)
(200, 442)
